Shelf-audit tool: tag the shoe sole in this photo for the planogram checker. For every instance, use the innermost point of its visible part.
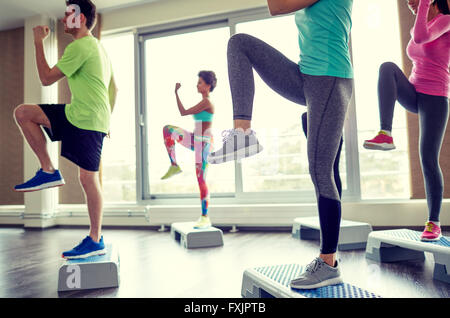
(431, 240)
(95, 253)
(172, 175)
(375, 146)
(42, 186)
(202, 227)
(237, 155)
(328, 282)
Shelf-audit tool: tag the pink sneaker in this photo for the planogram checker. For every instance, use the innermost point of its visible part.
(380, 142)
(432, 232)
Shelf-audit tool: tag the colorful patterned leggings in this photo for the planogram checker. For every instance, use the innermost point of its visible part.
(201, 145)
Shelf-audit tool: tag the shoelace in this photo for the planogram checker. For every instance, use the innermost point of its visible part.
(429, 227)
(313, 266)
(227, 134)
(37, 173)
(76, 248)
(36, 176)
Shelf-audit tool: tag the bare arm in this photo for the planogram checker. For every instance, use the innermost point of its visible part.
(203, 105)
(47, 75)
(112, 90)
(277, 7)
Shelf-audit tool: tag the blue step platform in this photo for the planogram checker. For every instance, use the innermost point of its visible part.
(403, 245)
(273, 282)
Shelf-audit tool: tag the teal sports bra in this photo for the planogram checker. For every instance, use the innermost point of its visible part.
(203, 116)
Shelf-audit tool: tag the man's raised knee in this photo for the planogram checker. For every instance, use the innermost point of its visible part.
(24, 112)
(20, 113)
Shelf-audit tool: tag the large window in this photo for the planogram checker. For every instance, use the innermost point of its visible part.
(375, 40)
(283, 165)
(119, 151)
(179, 58)
(280, 173)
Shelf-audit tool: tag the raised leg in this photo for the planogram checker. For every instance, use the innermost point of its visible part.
(30, 118)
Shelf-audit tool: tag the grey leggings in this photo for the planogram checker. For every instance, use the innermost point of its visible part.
(327, 99)
(433, 116)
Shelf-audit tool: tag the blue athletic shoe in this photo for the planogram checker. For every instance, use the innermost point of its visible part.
(42, 180)
(86, 248)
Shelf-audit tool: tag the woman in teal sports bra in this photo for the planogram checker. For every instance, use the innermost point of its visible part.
(200, 141)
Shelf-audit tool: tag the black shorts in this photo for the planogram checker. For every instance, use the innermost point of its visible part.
(82, 147)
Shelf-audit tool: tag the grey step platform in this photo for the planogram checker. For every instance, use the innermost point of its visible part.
(94, 272)
(189, 237)
(352, 235)
(273, 282)
(403, 244)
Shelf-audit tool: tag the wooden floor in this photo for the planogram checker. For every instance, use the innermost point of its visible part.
(154, 265)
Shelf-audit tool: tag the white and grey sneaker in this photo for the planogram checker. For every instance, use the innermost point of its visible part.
(236, 146)
(318, 274)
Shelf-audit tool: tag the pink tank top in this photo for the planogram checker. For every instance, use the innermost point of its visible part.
(429, 50)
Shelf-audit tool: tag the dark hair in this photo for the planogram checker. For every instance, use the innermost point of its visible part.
(88, 9)
(442, 6)
(209, 77)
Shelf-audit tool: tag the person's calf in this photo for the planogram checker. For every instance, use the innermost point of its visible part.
(29, 118)
(90, 183)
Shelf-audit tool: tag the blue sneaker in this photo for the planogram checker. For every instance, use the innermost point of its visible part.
(42, 180)
(86, 248)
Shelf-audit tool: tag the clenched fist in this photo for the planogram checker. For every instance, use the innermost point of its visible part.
(41, 32)
(177, 86)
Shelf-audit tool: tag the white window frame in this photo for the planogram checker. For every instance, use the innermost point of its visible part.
(353, 191)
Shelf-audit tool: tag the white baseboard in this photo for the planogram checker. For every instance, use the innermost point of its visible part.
(377, 213)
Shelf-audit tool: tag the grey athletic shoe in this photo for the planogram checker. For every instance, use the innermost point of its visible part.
(236, 146)
(318, 274)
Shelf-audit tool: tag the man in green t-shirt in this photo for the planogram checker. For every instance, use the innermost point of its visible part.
(81, 125)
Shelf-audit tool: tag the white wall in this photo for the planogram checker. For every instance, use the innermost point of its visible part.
(167, 11)
(40, 207)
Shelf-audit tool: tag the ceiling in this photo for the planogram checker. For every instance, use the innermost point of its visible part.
(13, 13)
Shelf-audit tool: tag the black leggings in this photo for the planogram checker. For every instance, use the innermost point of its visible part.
(433, 116)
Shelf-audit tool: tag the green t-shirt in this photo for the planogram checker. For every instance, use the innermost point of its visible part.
(89, 71)
(324, 33)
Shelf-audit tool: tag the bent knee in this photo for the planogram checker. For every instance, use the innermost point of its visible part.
(388, 67)
(238, 40)
(33, 113)
(21, 112)
(168, 129)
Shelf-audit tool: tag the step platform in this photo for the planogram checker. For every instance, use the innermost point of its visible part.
(273, 282)
(352, 235)
(101, 271)
(404, 244)
(189, 237)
